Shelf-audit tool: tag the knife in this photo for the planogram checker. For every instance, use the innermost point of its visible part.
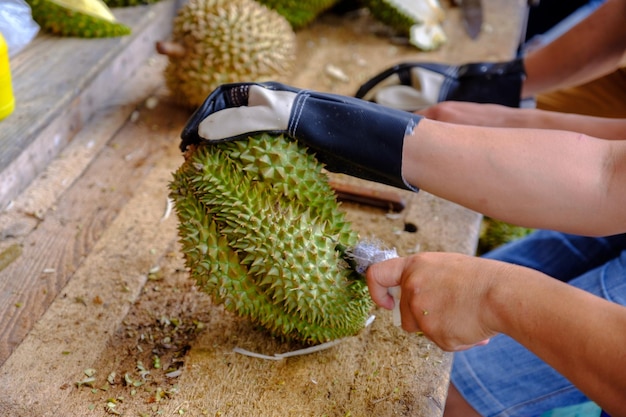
(472, 12)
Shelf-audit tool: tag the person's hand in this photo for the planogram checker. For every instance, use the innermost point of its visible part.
(443, 295)
(476, 114)
(412, 86)
(348, 135)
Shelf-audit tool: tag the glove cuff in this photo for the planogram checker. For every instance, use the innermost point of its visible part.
(349, 135)
(412, 85)
(354, 136)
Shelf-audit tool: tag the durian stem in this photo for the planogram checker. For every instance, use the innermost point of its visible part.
(171, 49)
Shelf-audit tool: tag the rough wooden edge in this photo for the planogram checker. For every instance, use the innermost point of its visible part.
(54, 135)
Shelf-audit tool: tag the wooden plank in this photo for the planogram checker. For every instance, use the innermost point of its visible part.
(383, 371)
(59, 83)
(121, 241)
(69, 223)
(27, 210)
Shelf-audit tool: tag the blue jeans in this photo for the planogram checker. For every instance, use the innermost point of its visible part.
(503, 378)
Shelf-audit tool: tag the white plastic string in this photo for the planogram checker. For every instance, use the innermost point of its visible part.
(298, 352)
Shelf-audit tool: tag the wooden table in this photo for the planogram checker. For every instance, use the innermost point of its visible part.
(90, 272)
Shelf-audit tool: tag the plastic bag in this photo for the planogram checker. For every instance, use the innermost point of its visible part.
(17, 25)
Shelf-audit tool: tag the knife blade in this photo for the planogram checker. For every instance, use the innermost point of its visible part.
(472, 12)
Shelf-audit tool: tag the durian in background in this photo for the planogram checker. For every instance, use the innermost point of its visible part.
(262, 233)
(222, 41)
(495, 233)
(420, 20)
(77, 18)
(299, 13)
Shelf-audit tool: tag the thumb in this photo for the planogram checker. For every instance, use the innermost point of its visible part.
(267, 110)
(237, 121)
(381, 276)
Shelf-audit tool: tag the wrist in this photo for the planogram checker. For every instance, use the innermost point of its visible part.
(501, 300)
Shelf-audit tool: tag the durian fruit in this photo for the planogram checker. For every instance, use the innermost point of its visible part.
(78, 18)
(261, 232)
(420, 20)
(299, 13)
(223, 41)
(495, 233)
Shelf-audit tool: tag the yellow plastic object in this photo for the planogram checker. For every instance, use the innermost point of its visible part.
(7, 101)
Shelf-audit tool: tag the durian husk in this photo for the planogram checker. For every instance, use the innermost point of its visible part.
(419, 20)
(226, 41)
(297, 12)
(394, 17)
(77, 18)
(402, 15)
(262, 233)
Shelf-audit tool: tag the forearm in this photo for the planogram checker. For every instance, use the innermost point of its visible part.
(599, 127)
(536, 178)
(501, 116)
(574, 331)
(589, 50)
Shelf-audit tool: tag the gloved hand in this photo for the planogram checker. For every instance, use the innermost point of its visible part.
(348, 135)
(412, 86)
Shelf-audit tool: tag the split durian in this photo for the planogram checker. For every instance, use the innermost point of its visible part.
(420, 20)
(222, 41)
(299, 13)
(78, 18)
(261, 232)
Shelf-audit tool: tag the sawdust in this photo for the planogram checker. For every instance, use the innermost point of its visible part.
(196, 367)
(140, 367)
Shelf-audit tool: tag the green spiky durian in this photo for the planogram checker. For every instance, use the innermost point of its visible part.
(387, 13)
(78, 18)
(495, 233)
(261, 232)
(223, 41)
(418, 19)
(299, 13)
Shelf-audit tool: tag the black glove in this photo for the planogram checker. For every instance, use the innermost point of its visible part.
(348, 135)
(411, 86)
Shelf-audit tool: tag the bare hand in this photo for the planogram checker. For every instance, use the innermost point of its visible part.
(444, 295)
(475, 114)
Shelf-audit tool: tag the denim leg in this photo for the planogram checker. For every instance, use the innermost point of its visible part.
(560, 255)
(503, 378)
